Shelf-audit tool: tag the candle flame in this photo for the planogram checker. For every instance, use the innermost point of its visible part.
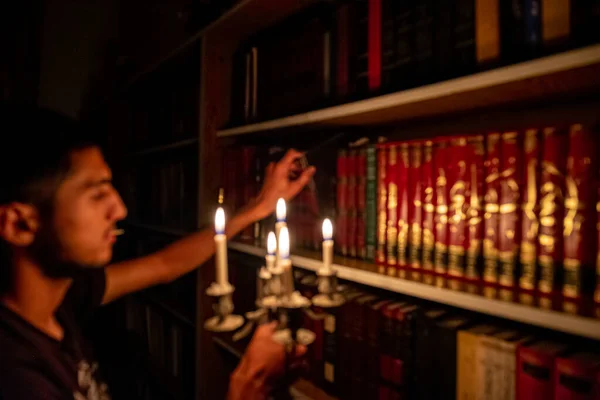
(220, 221)
(284, 243)
(281, 210)
(271, 243)
(327, 229)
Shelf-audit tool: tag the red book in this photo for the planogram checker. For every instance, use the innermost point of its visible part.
(374, 53)
(381, 209)
(492, 197)
(415, 202)
(403, 200)
(535, 370)
(341, 229)
(552, 184)
(440, 160)
(387, 339)
(392, 209)
(361, 204)
(352, 199)
(475, 214)
(428, 196)
(579, 224)
(530, 207)
(458, 181)
(576, 377)
(509, 227)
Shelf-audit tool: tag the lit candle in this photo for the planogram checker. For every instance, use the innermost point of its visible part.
(271, 249)
(221, 248)
(327, 244)
(280, 212)
(284, 261)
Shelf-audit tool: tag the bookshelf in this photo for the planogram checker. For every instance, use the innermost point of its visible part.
(363, 273)
(575, 71)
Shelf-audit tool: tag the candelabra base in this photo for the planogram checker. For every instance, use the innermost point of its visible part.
(328, 301)
(303, 337)
(225, 324)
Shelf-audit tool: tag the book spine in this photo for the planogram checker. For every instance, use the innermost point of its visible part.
(392, 210)
(556, 22)
(443, 38)
(424, 35)
(579, 227)
(388, 42)
(487, 31)
(466, 357)
(403, 201)
(404, 71)
(381, 209)
(371, 202)
(457, 215)
(551, 209)
(374, 49)
(489, 373)
(530, 210)
(361, 183)
(415, 206)
(475, 214)
(428, 195)
(532, 25)
(352, 197)
(342, 76)
(464, 36)
(509, 227)
(535, 373)
(342, 203)
(575, 379)
(440, 160)
(492, 190)
(406, 370)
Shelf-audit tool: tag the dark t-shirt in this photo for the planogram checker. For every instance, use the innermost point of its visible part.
(36, 366)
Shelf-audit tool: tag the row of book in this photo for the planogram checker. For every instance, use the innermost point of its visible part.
(162, 192)
(383, 347)
(515, 210)
(345, 50)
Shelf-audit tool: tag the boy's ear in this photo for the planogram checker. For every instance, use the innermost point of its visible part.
(19, 223)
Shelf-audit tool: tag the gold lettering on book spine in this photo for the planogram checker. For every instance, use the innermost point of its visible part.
(382, 216)
(403, 226)
(474, 221)
(415, 228)
(528, 256)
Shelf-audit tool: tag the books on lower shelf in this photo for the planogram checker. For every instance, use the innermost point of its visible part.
(509, 214)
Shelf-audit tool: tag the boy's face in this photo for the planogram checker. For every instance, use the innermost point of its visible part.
(86, 209)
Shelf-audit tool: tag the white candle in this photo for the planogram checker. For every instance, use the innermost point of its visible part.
(280, 212)
(271, 249)
(221, 248)
(327, 244)
(284, 261)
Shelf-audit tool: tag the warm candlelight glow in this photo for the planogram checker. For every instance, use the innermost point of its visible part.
(271, 244)
(220, 221)
(327, 229)
(284, 244)
(281, 211)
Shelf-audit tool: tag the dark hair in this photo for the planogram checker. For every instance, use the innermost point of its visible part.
(35, 157)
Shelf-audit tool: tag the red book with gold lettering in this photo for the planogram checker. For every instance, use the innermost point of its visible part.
(352, 199)
(380, 256)
(576, 377)
(392, 209)
(403, 200)
(458, 182)
(509, 227)
(535, 370)
(530, 210)
(341, 229)
(361, 203)
(415, 202)
(492, 197)
(428, 198)
(475, 214)
(552, 189)
(440, 162)
(374, 53)
(580, 223)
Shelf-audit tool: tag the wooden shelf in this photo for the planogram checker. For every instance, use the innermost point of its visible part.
(568, 73)
(300, 390)
(363, 273)
(165, 147)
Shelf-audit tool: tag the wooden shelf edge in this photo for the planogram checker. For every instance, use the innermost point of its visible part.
(538, 68)
(563, 322)
(301, 390)
(164, 147)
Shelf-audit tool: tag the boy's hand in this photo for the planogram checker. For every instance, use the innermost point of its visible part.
(261, 366)
(278, 183)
